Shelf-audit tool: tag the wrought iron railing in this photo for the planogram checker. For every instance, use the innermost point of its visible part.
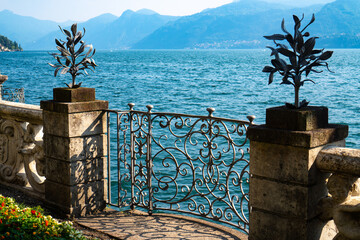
(177, 162)
(13, 94)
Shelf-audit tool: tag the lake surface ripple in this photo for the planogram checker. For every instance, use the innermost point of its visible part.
(189, 81)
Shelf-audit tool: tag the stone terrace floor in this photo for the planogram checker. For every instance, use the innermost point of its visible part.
(137, 225)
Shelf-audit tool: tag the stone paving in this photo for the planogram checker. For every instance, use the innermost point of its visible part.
(137, 225)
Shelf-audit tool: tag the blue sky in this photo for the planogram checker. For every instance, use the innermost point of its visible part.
(82, 10)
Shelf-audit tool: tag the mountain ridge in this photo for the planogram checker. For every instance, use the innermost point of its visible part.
(110, 32)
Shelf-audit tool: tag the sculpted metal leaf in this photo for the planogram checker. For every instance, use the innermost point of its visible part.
(303, 58)
(72, 58)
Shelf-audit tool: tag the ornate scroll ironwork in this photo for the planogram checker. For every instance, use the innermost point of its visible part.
(183, 163)
(13, 95)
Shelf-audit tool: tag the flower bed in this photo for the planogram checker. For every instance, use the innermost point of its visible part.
(17, 222)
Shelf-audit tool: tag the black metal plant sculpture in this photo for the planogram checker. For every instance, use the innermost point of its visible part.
(71, 59)
(302, 56)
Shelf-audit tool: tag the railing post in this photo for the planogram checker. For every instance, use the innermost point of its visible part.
(132, 156)
(285, 185)
(108, 162)
(75, 152)
(149, 160)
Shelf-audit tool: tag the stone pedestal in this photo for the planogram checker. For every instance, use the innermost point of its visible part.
(285, 185)
(3, 79)
(74, 94)
(75, 151)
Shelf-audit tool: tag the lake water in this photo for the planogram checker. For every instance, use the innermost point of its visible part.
(189, 81)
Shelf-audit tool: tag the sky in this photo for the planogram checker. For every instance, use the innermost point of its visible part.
(82, 10)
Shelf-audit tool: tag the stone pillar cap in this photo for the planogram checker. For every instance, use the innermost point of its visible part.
(307, 139)
(74, 107)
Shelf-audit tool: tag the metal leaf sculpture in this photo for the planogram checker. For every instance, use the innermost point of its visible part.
(302, 56)
(73, 59)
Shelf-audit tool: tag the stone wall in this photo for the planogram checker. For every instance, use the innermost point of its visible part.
(22, 160)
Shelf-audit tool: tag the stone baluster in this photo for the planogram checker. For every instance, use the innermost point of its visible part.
(343, 203)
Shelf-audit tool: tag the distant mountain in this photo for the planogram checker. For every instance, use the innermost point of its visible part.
(239, 24)
(24, 30)
(110, 32)
(91, 26)
(128, 29)
(339, 24)
(145, 11)
(245, 7)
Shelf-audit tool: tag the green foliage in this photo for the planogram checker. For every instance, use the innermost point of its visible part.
(70, 53)
(303, 58)
(7, 43)
(17, 222)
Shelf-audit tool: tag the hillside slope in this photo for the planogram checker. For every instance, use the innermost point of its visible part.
(236, 25)
(6, 45)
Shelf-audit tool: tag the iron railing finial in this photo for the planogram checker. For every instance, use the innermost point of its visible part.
(211, 111)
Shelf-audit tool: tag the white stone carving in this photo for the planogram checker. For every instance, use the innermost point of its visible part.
(21, 154)
(345, 193)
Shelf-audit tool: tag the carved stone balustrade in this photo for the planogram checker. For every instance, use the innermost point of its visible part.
(343, 204)
(21, 146)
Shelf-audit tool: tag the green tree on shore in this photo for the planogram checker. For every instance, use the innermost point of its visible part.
(7, 43)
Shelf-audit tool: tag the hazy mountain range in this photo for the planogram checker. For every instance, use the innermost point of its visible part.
(240, 24)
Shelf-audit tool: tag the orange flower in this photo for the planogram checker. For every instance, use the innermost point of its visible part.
(0, 221)
(2, 204)
(34, 233)
(7, 233)
(46, 222)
